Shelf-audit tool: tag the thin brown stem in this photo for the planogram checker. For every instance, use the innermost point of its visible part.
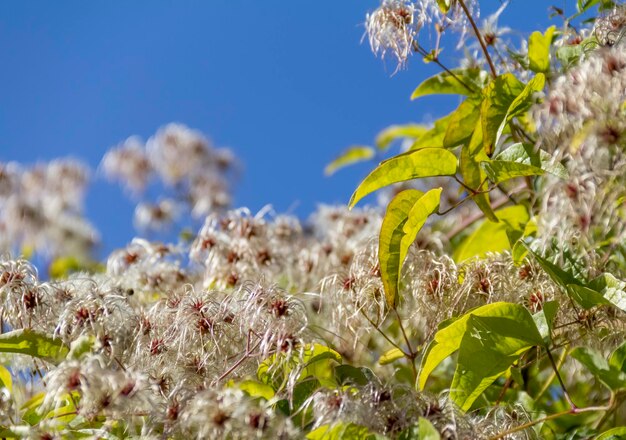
(417, 48)
(384, 335)
(479, 37)
(560, 379)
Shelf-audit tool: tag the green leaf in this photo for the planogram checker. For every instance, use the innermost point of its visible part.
(427, 431)
(434, 137)
(618, 358)
(428, 162)
(5, 378)
(462, 123)
(473, 175)
(585, 297)
(520, 160)
(32, 343)
(340, 431)
(352, 155)
(15, 431)
(406, 214)
(522, 102)
(390, 134)
(349, 375)
(618, 433)
(611, 289)
(256, 389)
(444, 5)
(458, 82)
(391, 356)
(539, 50)
(488, 348)
(318, 361)
(62, 267)
(544, 319)
(492, 237)
(498, 331)
(499, 95)
(613, 378)
(569, 55)
(584, 5)
(81, 346)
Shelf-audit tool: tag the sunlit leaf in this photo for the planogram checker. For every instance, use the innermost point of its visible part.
(618, 433)
(340, 431)
(32, 343)
(318, 360)
(5, 378)
(613, 378)
(354, 154)
(428, 162)
(522, 102)
(390, 134)
(492, 237)
(544, 319)
(427, 431)
(456, 82)
(434, 137)
(462, 123)
(391, 356)
(539, 50)
(498, 333)
(488, 348)
(256, 389)
(520, 160)
(618, 358)
(405, 216)
(498, 97)
(473, 175)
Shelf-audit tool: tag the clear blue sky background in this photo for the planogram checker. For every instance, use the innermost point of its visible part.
(286, 84)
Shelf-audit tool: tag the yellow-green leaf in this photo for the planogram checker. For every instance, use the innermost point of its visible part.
(5, 378)
(462, 123)
(427, 431)
(406, 214)
(427, 162)
(498, 97)
(492, 237)
(539, 50)
(520, 160)
(456, 82)
(408, 131)
(354, 154)
(473, 175)
(32, 343)
(340, 431)
(391, 356)
(613, 378)
(516, 320)
(522, 103)
(433, 138)
(618, 433)
(256, 389)
(488, 348)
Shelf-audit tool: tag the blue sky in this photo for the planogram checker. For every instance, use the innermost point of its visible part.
(286, 84)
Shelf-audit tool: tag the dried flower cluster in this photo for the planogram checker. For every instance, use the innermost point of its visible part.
(41, 208)
(393, 28)
(582, 121)
(182, 159)
(156, 339)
